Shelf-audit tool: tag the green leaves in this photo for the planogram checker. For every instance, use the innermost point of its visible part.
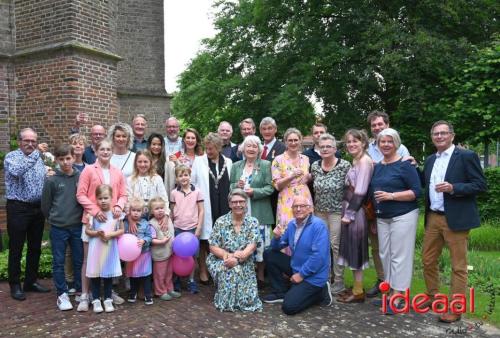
(398, 56)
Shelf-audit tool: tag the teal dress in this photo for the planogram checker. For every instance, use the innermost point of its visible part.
(236, 288)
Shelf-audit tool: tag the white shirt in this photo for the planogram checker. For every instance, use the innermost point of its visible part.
(269, 145)
(437, 176)
(124, 162)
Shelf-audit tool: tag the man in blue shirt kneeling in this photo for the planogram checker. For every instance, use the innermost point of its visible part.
(308, 266)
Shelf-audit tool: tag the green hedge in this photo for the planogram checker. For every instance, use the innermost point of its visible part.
(45, 267)
(489, 202)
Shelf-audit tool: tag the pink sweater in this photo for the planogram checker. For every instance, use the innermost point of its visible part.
(90, 179)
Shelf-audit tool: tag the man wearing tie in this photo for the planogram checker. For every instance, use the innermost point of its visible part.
(453, 177)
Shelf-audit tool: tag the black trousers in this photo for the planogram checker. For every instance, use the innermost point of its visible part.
(135, 283)
(25, 223)
(297, 297)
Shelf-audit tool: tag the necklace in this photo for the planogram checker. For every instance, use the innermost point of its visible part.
(217, 179)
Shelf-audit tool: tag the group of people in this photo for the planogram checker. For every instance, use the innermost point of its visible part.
(259, 208)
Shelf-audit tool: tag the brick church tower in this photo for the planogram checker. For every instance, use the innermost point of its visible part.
(62, 57)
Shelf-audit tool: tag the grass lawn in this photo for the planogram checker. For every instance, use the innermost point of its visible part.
(482, 298)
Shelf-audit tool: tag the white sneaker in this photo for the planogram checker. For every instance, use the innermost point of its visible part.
(63, 302)
(117, 299)
(72, 292)
(337, 288)
(96, 305)
(108, 305)
(83, 306)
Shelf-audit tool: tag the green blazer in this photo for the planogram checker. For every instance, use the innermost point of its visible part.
(262, 189)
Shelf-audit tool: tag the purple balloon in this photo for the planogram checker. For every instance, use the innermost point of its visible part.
(185, 244)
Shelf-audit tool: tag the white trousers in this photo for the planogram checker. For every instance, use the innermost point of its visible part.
(396, 238)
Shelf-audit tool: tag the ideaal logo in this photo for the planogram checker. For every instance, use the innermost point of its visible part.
(441, 303)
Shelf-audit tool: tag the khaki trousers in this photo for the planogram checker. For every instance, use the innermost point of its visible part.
(437, 234)
(333, 222)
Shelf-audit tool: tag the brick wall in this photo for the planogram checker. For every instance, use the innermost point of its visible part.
(43, 22)
(52, 89)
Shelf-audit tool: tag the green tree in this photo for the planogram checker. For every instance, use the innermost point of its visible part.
(473, 99)
(270, 56)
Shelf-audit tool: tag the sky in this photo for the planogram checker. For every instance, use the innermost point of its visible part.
(187, 22)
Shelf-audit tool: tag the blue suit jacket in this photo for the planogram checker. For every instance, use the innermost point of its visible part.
(464, 172)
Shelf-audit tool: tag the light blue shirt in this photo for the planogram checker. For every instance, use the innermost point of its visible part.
(377, 156)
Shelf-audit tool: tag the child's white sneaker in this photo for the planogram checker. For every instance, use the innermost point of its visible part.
(96, 305)
(108, 305)
(116, 298)
(83, 306)
(63, 302)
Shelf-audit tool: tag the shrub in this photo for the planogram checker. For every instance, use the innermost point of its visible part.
(45, 267)
(489, 202)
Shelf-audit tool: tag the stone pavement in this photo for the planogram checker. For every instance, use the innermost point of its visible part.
(194, 316)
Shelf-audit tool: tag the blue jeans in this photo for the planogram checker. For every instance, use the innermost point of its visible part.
(59, 238)
(296, 297)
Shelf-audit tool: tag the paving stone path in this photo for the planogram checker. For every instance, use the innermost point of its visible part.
(194, 316)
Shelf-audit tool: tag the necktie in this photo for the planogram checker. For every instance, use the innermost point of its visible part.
(264, 153)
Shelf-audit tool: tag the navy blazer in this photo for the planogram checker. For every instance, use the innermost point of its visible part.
(464, 172)
(277, 149)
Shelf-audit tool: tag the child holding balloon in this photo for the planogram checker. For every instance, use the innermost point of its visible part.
(103, 261)
(139, 270)
(161, 249)
(186, 204)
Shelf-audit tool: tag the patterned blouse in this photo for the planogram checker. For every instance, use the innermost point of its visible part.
(24, 176)
(329, 185)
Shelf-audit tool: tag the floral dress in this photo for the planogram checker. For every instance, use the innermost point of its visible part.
(236, 288)
(282, 167)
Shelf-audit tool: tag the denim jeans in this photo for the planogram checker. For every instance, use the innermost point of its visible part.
(60, 238)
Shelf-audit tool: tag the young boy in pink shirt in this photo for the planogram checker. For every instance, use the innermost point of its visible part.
(186, 204)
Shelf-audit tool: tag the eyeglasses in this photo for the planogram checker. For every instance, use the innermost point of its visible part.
(440, 133)
(326, 147)
(29, 141)
(238, 202)
(293, 141)
(98, 134)
(300, 206)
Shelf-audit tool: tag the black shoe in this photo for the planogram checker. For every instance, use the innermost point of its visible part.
(16, 292)
(35, 287)
(374, 291)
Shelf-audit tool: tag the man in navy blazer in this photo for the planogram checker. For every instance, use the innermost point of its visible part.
(272, 146)
(453, 177)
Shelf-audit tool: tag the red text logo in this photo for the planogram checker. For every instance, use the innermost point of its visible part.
(441, 303)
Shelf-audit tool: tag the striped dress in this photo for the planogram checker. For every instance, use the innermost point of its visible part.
(103, 259)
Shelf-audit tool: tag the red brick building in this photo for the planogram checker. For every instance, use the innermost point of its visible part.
(62, 57)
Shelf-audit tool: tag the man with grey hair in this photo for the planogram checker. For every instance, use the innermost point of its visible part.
(247, 127)
(24, 176)
(225, 131)
(97, 133)
(272, 146)
(173, 143)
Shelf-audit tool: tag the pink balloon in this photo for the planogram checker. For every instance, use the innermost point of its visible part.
(127, 248)
(182, 266)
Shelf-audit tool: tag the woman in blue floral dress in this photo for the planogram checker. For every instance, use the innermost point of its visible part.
(232, 242)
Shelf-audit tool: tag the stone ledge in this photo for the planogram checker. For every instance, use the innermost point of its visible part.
(72, 44)
(143, 92)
